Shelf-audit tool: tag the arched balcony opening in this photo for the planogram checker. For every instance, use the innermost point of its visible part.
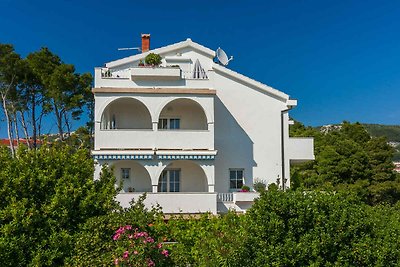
(182, 176)
(133, 176)
(126, 113)
(182, 114)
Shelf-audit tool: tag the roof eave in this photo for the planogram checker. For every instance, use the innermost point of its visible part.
(262, 87)
(162, 50)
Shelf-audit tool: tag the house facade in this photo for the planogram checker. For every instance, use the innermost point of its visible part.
(191, 132)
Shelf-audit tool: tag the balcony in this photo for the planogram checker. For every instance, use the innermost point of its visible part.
(300, 149)
(158, 73)
(149, 139)
(175, 202)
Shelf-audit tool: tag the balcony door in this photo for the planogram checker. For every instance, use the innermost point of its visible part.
(169, 181)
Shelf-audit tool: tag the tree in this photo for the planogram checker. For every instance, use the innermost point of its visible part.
(11, 69)
(349, 159)
(63, 91)
(296, 228)
(45, 195)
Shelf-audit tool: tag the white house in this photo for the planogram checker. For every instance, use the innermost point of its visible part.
(190, 138)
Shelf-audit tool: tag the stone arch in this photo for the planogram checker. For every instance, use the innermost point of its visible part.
(139, 180)
(192, 176)
(126, 113)
(192, 114)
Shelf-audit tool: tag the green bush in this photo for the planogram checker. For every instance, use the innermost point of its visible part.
(320, 229)
(153, 59)
(44, 196)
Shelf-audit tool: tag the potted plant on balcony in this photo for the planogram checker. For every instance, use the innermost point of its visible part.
(153, 60)
(141, 64)
(245, 188)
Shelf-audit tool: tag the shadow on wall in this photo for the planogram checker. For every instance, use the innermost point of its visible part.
(235, 148)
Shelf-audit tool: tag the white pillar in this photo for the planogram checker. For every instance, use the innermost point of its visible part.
(208, 168)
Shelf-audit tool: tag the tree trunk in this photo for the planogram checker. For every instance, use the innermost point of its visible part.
(25, 128)
(33, 118)
(59, 122)
(14, 118)
(9, 126)
(67, 124)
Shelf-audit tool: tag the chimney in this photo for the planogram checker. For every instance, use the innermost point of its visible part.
(145, 42)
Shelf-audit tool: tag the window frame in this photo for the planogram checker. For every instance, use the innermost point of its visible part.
(236, 179)
(164, 182)
(123, 173)
(168, 123)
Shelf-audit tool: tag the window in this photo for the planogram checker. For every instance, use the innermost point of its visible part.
(170, 123)
(169, 181)
(125, 173)
(236, 178)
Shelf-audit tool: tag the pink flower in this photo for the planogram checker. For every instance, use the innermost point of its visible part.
(159, 245)
(135, 252)
(150, 240)
(130, 236)
(116, 236)
(128, 227)
(150, 263)
(126, 254)
(116, 261)
(165, 252)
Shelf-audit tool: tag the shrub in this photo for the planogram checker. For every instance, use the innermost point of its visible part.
(153, 59)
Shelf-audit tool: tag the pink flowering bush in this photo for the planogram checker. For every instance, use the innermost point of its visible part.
(138, 248)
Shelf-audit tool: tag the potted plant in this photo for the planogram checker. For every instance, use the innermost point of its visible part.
(141, 63)
(153, 59)
(245, 188)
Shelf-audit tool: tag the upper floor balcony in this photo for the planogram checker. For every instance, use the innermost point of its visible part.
(136, 123)
(151, 76)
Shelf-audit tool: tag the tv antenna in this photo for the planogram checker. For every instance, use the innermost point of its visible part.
(130, 48)
(222, 57)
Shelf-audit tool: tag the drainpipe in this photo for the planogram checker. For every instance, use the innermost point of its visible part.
(283, 146)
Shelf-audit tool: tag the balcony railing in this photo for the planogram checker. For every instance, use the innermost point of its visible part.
(107, 73)
(149, 139)
(184, 202)
(191, 75)
(150, 72)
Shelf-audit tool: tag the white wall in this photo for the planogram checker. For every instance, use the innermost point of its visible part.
(245, 121)
(247, 132)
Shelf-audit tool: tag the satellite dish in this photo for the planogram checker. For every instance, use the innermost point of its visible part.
(222, 57)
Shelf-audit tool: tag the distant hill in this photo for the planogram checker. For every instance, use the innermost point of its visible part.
(391, 132)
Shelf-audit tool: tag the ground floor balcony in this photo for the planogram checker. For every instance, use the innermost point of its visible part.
(175, 203)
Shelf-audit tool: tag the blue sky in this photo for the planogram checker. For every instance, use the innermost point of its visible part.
(340, 59)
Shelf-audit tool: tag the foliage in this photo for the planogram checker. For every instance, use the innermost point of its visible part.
(259, 185)
(245, 188)
(349, 160)
(94, 245)
(207, 241)
(138, 248)
(391, 132)
(153, 59)
(38, 85)
(297, 228)
(44, 196)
